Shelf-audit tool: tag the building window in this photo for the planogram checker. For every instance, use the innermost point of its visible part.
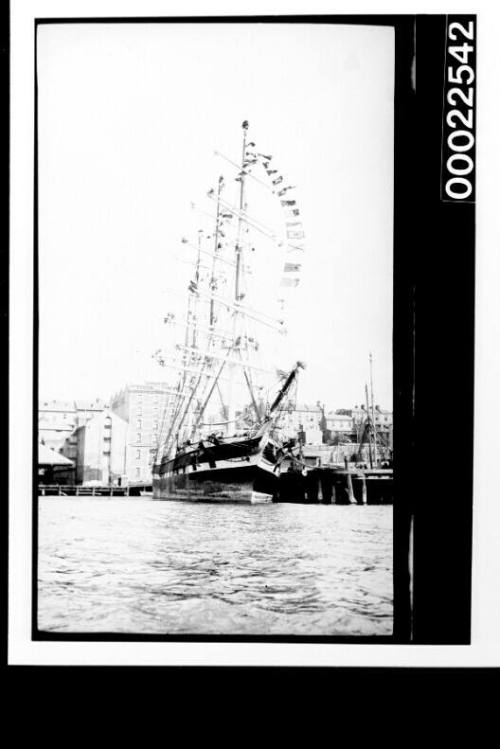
(139, 423)
(138, 455)
(137, 472)
(138, 436)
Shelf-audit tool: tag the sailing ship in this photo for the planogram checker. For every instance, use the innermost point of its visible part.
(221, 437)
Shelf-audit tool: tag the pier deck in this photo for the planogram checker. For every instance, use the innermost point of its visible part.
(66, 490)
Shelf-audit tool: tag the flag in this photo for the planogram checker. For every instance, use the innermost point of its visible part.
(292, 267)
(277, 181)
(291, 213)
(288, 203)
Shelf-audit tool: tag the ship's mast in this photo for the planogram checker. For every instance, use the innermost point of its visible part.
(211, 356)
(369, 426)
(238, 248)
(373, 411)
(238, 336)
(216, 252)
(197, 281)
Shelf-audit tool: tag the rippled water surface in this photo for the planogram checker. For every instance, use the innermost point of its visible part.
(144, 566)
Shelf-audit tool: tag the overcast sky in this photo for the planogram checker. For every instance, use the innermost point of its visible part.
(129, 118)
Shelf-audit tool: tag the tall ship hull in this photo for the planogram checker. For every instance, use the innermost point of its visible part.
(237, 470)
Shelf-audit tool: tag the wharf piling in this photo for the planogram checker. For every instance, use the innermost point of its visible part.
(346, 486)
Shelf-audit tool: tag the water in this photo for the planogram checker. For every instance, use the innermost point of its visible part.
(143, 566)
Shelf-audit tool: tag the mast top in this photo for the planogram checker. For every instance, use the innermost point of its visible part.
(244, 124)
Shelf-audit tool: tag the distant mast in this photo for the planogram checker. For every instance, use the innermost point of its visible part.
(373, 412)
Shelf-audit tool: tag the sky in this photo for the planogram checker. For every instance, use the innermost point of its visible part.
(129, 118)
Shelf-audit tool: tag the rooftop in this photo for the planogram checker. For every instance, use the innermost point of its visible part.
(49, 457)
(56, 405)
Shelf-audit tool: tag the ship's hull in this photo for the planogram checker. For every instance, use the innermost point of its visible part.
(243, 471)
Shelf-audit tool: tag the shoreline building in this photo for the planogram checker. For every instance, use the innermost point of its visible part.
(54, 468)
(383, 423)
(339, 426)
(101, 449)
(303, 421)
(57, 421)
(146, 408)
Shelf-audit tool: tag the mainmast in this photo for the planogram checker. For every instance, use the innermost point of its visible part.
(238, 249)
(238, 314)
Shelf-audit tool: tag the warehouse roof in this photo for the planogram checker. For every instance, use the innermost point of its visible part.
(49, 457)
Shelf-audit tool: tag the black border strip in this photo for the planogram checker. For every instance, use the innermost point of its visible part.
(444, 395)
(5, 292)
(36, 329)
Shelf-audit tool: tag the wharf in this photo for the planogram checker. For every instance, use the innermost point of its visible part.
(337, 486)
(70, 490)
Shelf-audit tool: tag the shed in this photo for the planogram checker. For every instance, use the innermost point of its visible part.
(54, 468)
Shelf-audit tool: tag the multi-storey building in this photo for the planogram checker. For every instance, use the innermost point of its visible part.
(339, 425)
(101, 444)
(303, 420)
(86, 410)
(56, 421)
(382, 419)
(146, 408)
